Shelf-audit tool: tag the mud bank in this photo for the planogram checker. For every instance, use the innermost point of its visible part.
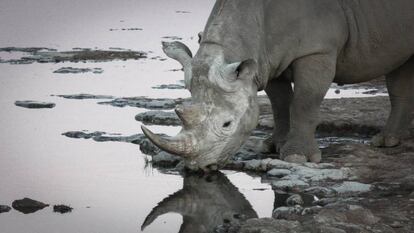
(34, 104)
(50, 55)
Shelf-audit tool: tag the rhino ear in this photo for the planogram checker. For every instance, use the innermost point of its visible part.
(177, 50)
(246, 67)
(241, 69)
(180, 52)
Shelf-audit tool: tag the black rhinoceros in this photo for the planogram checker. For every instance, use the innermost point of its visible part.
(248, 46)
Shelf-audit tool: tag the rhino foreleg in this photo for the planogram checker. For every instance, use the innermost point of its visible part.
(280, 94)
(312, 76)
(400, 84)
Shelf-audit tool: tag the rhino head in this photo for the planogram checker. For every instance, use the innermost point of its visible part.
(222, 112)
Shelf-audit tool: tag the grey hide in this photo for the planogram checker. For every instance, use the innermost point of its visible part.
(204, 202)
(249, 46)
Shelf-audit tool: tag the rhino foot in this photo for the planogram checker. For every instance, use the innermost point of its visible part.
(296, 151)
(296, 158)
(385, 140)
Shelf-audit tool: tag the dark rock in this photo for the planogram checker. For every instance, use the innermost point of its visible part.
(4, 209)
(320, 192)
(176, 70)
(99, 136)
(63, 209)
(371, 92)
(288, 213)
(329, 229)
(169, 86)
(83, 134)
(85, 96)
(351, 188)
(278, 172)
(243, 155)
(46, 55)
(143, 102)
(294, 199)
(353, 215)
(148, 148)
(27, 205)
(72, 70)
(136, 138)
(360, 215)
(25, 50)
(172, 37)
(158, 118)
(311, 210)
(91, 55)
(34, 104)
(396, 224)
(183, 12)
(17, 61)
(289, 184)
(164, 159)
(325, 201)
(269, 225)
(125, 29)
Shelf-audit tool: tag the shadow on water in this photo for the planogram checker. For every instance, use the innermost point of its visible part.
(204, 202)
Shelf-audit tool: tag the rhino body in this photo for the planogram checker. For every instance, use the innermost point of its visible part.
(248, 46)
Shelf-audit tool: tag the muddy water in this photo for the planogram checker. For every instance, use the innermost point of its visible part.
(107, 184)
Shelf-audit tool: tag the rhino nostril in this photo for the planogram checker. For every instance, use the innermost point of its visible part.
(226, 124)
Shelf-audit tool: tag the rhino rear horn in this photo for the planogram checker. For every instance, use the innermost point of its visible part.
(190, 114)
(180, 52)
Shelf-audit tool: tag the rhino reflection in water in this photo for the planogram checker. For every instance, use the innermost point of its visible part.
(248, 46)
(204, 202)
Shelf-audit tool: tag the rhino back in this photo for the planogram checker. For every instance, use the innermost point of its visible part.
(380, 38)
(371, 37)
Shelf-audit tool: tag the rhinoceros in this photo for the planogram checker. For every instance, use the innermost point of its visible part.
(248, 46)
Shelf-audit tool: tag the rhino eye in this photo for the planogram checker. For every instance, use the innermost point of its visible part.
(226, 124)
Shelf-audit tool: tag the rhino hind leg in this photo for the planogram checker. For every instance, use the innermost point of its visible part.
(400, 85)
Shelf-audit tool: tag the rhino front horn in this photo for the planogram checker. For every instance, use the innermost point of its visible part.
(183, 144)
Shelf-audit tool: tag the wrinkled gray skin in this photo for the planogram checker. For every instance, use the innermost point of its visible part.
(204, 202)
(249, 45)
